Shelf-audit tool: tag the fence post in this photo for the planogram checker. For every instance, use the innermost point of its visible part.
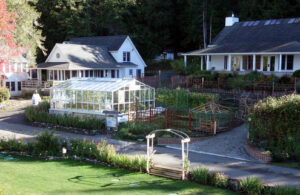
(150, 110)
(190, 122)
(166, 118)
(272, 88)
(202, 82)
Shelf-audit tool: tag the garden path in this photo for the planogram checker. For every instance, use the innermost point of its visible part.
(13, 125)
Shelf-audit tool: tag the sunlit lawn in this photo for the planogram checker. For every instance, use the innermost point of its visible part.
(33, 176)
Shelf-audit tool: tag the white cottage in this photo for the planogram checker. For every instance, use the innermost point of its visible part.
(14, 73)
(267, 46)
(92, 57)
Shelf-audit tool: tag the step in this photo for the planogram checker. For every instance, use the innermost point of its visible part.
(171, 177)
(166, 168)
(171, 174)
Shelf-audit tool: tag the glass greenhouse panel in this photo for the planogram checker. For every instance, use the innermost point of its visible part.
(95, 95)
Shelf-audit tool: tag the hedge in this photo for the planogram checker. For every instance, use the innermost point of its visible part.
(4, 94)
(40, 114)
(275, 125)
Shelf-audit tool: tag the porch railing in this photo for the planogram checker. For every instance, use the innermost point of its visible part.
(35, 84)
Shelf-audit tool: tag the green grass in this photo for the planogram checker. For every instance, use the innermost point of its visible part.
(34, 176)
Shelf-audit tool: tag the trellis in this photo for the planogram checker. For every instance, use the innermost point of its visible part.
(185, 139)
(212, 116)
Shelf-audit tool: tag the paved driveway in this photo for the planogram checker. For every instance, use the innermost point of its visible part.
(12, 124)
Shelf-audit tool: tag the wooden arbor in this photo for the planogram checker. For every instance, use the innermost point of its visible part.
(185, 139)
(208, 117)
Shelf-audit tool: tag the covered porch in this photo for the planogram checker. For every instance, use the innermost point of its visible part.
(267, 63)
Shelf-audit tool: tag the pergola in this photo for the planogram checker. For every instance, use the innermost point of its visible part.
(185, 139)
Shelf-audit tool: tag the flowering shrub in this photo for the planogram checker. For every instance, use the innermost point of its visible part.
(106, 151)
(275, 125)
(219, 180)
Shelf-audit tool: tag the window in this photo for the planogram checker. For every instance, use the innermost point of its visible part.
(225, 62)
(258, 62)
(287, 62)
(19, 86)
(106, 73)
(139, 73)
(13, 86)
(74, 73)
(8, 85)
(113, 74)
(67, 74)
(86, 73)
(290, 62)
(118, 74)
(101, 73)
(126, 56)
(55, 75)
(91, 73)
(130, 72)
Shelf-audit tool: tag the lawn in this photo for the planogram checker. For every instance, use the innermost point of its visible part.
(34, 176)
(294, 165)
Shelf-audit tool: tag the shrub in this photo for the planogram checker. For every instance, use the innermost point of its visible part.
(252, 186)
(218, 180)
(4, 94)
(11, 145)
(275, 125)
(40, 114)
(200, 175)
(46, 144)
(179, 98)
(178, 67)
(135, 130)
(296, 74)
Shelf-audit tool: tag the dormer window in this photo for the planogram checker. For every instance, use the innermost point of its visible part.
(57, 55)
(126, 56)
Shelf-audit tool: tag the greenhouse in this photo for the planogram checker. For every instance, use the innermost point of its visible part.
(95, 95)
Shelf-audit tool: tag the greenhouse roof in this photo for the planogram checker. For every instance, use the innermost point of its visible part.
(100, 84)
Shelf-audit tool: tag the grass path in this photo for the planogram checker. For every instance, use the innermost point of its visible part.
(34, 176)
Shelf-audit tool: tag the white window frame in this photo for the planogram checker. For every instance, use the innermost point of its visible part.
(126, 56)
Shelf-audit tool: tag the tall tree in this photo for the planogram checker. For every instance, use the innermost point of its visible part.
(26, 34)
(8, 48)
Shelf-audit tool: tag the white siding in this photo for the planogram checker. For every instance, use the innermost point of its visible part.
(53, 58)
(134, 56)
(217, 62)
(296, 62)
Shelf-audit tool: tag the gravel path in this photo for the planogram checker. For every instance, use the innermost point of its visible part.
(230, 143)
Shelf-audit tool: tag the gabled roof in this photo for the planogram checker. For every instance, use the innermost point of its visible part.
(84, 57)
(262, 36)
(113, 43)
(100, 84)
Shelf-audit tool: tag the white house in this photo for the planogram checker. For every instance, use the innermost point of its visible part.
(14, 73)
(102, 56)
(267, 46)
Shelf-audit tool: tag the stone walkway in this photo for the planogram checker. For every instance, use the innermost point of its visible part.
(13, 125)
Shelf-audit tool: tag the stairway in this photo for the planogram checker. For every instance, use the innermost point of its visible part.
(166, 172)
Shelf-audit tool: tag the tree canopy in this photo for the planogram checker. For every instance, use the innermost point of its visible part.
(154, 25)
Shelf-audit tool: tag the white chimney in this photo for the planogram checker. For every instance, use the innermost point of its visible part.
(229, 21)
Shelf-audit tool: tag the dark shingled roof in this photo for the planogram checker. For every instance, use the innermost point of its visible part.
(280, 35)
(113, 43)
(84, 57)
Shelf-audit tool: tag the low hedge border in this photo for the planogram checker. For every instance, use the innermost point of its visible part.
(68, 129)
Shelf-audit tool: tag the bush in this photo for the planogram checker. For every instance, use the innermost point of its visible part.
(296, 74)
(178, 67)
(11, 145)
(4, 94)
(179, 98)
(200, 175)
(135, 130)
(219, 180)
(275, 125)
(252, 186)
(40, 114)
(47, 145)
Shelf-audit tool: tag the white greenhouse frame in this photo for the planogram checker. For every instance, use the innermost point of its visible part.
(95, 95)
